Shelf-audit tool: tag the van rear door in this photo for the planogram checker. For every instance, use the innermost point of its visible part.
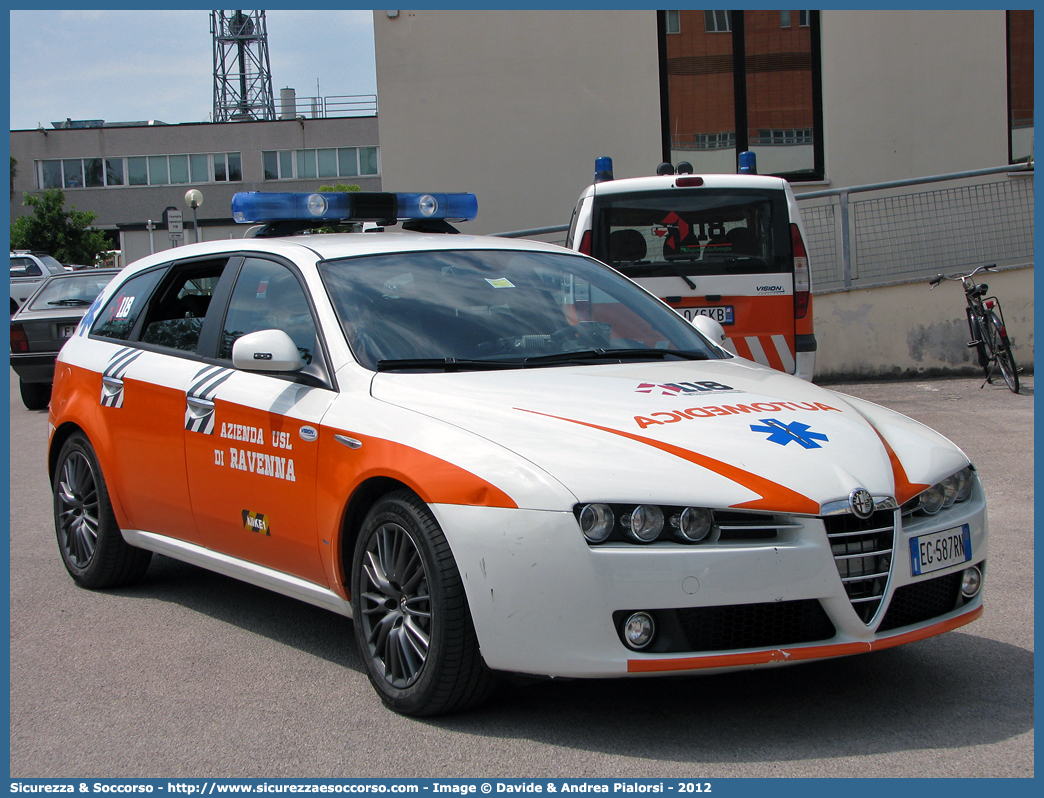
(722, 252)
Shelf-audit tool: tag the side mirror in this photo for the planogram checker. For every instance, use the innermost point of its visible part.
(266, 350)
(710, 329)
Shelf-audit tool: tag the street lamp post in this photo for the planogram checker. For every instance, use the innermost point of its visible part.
(194, 198)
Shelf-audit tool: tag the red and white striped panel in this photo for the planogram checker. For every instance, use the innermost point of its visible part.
(768, 350)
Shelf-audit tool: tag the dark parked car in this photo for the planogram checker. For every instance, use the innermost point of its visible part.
(46, 320)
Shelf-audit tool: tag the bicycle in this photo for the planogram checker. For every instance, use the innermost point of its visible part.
(986, 324)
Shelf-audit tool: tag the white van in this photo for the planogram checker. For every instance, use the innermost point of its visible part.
(730, 247)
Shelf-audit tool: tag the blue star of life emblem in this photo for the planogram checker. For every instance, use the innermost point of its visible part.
(781, 433)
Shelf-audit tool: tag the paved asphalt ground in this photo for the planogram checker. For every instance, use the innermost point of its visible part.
(191, 674)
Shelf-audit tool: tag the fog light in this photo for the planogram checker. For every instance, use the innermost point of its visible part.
(596, 522)
(971, 582)
(645, 523)
(638, 630)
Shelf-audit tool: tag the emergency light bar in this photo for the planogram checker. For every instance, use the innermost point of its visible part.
(255, 207)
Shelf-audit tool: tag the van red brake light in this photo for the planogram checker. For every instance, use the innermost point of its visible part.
(802, 279)
(585, 243)
(688, 182)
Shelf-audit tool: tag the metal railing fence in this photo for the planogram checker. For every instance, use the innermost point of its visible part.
(961, 221)
(327, 107)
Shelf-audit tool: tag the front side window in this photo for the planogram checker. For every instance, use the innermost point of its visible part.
(268, 296)
(498, 309)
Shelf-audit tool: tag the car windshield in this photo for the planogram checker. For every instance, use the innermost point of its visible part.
(475, 309)
(77, 290)
(694, 232)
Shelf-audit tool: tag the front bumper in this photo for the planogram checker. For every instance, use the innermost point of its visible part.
(544, 602)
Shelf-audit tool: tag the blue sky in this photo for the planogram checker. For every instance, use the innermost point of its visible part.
(125, 65)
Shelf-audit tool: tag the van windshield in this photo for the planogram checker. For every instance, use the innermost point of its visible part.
(694, 232)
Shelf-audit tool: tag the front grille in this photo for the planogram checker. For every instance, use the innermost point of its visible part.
(922, 601)
(778, 623)
(862, 550)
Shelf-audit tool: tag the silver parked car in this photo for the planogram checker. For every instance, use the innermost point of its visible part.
(28, 271)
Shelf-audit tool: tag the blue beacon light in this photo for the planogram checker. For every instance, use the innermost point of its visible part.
(253, 207)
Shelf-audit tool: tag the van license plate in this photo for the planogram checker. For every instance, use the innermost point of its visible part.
(720, 313)
(935, 551)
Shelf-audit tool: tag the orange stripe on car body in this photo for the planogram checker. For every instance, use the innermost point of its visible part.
(797, 654)
(436, 481)
(904, 488)
(773, 495)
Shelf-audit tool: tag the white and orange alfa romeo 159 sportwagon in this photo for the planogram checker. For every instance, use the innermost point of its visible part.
(494, 456)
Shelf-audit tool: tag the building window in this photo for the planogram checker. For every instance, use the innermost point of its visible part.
(717, 21)
(1020, 86)
(783, 137)
(140, 170)
(325, 163)
(757, 88)
(674, 22)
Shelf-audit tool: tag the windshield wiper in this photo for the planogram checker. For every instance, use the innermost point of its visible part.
(602, 355)
(445, 364)
(70, 302)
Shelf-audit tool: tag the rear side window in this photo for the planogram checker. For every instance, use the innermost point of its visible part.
(694, 232)
(120, 314)
(24, 267)
(175, 317)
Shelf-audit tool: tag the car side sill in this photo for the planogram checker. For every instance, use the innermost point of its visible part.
(245, 571)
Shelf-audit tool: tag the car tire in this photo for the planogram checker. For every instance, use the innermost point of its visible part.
(35, 395)
(411, 617)
(92, 548)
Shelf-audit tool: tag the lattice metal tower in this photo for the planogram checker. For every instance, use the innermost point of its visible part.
(242, 73)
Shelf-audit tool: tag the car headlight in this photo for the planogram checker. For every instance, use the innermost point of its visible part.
(644, 524)
(955, 488)
(597, 522)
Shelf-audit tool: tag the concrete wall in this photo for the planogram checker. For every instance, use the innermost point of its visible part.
(913, 93)
(905, 330)
(515, 106)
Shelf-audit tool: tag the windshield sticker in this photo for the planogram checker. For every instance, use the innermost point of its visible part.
(500, 282)
(674, 416)
(781, 433)
(262, 289)
(124, 308)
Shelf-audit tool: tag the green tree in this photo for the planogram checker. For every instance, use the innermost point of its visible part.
(65, 234)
